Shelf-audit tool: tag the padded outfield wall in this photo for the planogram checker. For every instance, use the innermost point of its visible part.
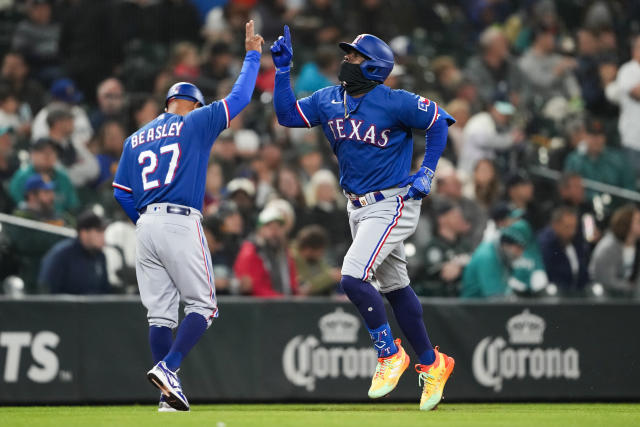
(86, 349)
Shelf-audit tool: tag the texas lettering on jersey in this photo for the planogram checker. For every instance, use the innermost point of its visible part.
(354, 130)
(373, 138)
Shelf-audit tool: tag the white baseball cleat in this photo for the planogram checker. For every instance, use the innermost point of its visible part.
(169, 384)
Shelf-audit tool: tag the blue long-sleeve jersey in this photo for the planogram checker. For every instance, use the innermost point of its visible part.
(371, 135)
(166, 160)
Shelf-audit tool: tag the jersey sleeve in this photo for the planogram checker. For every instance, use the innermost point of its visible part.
(308, 109)
(122, 178)
(212, 119)
(417, 112)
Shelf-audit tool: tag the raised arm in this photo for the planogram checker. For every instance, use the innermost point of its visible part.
(240, 95)
(287, 108)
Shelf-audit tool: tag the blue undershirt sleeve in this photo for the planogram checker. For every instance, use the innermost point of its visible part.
(240, 95)
(128, 204)
(435, 140)
(290, 112)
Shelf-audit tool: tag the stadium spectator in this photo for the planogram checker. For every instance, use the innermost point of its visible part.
(218, 66)
(446, 254)
(315, 275)
(213, 188)
(111, 102)
(326, 210)
(493, 71)
(565, 252)
(13, 114)
(509, 264)
(185, 63)
(461, 110)
(8, 166)
(574, 137)
(110, 137)
(485, 187)
(319, 22)
(242, 192)
(233, 232)
(264, 265)
(225, 281)
(488, 134)
(38, 203)
(44, 161)
(547, 73)
(319, 73)
(77, 266)
(38, 39)
(490, 269)
(615, 262)
(15, 72)
(65, 95)
(519, 191)
(449, 187)
(628, 83)
(589, 58)
(599, 162)
(81, 165)
(289, 188)
(142, 109)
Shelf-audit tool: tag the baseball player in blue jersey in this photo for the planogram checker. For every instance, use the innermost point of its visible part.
(160, 184)
(369, 128)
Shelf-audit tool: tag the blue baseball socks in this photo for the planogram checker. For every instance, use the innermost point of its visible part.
(369, 303)
(189, 333)
(408, 312)
(160, 340)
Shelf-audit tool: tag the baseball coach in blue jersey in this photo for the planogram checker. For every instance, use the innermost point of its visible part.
(369, 127)
(160, 184)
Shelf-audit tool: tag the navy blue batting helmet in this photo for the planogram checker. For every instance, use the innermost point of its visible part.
(184, 90)
(378, 54)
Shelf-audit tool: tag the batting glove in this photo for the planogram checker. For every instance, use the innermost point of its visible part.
(420, 184)
(282, 51)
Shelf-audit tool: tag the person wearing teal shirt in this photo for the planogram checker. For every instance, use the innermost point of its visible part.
(44, 161)
(600, 163)
(511, 262)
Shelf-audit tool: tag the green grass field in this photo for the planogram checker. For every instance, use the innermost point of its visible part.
(359, 415)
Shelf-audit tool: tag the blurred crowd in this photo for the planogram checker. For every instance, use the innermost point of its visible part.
(536, 193)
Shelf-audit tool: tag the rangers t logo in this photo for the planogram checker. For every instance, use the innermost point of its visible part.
(423, 103)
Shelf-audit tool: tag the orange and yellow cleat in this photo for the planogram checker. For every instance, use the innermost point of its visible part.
(433, 378)
(388, 372)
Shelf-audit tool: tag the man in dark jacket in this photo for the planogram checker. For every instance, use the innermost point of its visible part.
(564, 251)
(77, 266)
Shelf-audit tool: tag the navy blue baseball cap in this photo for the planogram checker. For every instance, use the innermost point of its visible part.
(35, 182)
(66, 90)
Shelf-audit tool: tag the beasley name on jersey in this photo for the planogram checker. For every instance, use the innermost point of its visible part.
(166, 160)
(372, 139)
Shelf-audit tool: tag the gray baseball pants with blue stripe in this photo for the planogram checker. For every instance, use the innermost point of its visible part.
(173, 264)
(378, 232)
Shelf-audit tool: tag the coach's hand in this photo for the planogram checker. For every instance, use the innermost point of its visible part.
(281, 50)
(252, 41)
(420, 184)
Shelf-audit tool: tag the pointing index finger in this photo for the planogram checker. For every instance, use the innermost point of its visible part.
(287, 35)
(249, 29)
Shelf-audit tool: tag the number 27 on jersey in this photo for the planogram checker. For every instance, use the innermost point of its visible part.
(149, 182)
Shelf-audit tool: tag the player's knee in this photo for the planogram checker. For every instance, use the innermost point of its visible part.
(162, 323)
(206, 314)
(355, 289)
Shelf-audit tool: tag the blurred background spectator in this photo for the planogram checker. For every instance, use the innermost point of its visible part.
(77, 266)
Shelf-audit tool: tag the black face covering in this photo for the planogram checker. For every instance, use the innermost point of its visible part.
(354, 82)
